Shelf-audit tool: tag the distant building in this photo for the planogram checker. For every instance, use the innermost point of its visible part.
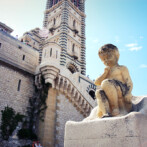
(56, 53)
(5, 28)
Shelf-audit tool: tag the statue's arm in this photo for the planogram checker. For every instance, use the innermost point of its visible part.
(99, 80)
(128, 82)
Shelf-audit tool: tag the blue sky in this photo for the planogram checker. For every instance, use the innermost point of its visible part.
(120, 22)
(124, 24)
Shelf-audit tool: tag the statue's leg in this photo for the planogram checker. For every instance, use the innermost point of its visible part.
(103, 105)
(111, 92)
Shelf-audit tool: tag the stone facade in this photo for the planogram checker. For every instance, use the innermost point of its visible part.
(65, 111)
(47, 128)
(5, 28)
(18, 64)
(18, 54)
(16, 87)
(66, 24)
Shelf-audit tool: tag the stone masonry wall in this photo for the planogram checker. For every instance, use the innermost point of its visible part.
(16, 87)
(65, 112)
(18, 54)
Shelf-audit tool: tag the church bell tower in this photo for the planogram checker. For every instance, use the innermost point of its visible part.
(65, 22)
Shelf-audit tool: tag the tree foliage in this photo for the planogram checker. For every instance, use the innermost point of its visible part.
(9, 122)
(37, 106)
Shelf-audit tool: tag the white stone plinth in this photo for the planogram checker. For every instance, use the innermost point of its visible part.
(125, 131)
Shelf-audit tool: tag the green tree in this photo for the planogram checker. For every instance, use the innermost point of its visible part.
(9, 122)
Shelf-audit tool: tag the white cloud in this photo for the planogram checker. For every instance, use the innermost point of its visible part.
(143, 66)
(133, 47)
(95, 40)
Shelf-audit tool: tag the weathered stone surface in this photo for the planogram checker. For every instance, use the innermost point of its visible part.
(115, 95)
(123, 131)
(66, 111)
(9, 93)
(17, 67)
(18, 54)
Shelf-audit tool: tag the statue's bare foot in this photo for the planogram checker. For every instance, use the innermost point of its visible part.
(115, 112)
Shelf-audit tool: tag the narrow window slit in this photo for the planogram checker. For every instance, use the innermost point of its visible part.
(19, 84)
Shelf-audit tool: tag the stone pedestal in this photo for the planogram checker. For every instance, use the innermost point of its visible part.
(125, 131)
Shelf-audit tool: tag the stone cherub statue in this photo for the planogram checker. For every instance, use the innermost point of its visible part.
(116, 85)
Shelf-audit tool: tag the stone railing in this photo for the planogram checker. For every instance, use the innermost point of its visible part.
(65, 86)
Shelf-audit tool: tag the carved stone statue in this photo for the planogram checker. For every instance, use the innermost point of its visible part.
(116, 85)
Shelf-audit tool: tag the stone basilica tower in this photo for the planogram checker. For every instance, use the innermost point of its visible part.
(62, 64)
(65, 20)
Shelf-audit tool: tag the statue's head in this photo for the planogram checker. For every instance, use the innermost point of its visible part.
(109, 54)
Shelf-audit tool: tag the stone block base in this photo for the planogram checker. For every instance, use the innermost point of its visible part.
(125, 131)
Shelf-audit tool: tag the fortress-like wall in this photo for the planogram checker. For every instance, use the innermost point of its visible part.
(65, 112)
(16, 87)
(17, 67)
(18, 54)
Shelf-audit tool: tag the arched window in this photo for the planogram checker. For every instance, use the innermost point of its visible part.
(75, 27)
(74, 23)
(54, 21)
(56, 1)
(92, 94)
(72, 68)
(75, 2)
(73, 47)
(50, 52)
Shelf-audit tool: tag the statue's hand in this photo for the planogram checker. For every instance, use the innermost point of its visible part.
(106, 70)
(99, 80)
(128, 98)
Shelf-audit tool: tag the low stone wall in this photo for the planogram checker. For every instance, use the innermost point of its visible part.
(125, 131)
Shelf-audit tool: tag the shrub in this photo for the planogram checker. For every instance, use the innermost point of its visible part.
(9, 122)
(26, 134)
